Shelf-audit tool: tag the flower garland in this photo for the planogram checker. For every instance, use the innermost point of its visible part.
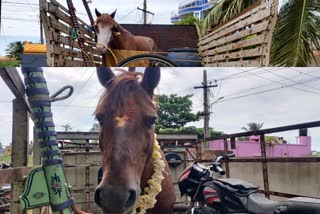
(148, 200)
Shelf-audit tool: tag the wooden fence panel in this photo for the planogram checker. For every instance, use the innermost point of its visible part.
(244, 40)
(62, 47)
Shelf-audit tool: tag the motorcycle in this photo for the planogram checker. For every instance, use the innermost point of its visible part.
(210, 195)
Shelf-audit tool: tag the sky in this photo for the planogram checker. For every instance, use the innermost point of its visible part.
(274, 96)
(21, 21)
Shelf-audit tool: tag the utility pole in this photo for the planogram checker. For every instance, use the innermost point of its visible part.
(67, 127)
(41, 26)
(145, 14)
(206, 107)
(0, 15)
(145, 11)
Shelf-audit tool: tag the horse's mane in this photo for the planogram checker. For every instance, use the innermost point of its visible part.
(118, 90)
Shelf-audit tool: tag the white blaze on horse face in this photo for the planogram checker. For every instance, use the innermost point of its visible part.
(103, 37)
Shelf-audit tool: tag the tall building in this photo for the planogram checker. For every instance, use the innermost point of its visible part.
(194, 8)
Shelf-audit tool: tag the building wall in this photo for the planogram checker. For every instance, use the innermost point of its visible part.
(252, 149)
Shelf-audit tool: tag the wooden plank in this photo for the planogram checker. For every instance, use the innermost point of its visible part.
(236, 36)
(19, 156)
(241, 17)
(244, 63)
(17, 174)
(257, 40)
(235, 55)
(60, 15)
(95, 136)
(252, 20)
(12, 79)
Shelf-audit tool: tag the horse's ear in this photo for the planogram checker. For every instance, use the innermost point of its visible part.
(151, 79)
(97, 12)
(104, 75)
(113, 14)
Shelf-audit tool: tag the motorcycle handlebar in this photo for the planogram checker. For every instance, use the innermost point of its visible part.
(220, 170)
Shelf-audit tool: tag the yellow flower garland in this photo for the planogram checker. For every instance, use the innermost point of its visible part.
(148, 200)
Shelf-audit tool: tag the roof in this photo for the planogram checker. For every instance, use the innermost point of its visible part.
(34, 48)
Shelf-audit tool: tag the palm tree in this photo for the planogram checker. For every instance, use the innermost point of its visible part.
(296, 34)
(252, 127)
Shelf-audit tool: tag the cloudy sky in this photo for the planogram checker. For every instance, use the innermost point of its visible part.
(20, 18)
(274, 96)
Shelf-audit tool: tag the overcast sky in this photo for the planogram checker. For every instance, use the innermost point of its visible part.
(291, 96)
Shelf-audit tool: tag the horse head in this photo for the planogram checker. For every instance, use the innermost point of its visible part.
(106, 29)
(127, 115)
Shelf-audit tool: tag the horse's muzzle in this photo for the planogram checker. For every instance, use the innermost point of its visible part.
(115, 199)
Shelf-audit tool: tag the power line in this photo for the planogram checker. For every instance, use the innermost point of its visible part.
(286, 84)
(264, 91)
(263, 86)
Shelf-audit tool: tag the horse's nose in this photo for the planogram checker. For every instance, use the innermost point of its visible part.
(115, 199)
(102, 49)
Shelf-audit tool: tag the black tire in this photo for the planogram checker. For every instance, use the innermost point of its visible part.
(155, 61)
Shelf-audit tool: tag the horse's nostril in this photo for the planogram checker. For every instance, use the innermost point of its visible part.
(97, 196)
(132, 199)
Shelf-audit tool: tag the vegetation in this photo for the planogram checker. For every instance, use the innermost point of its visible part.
(253, 127)
(175, 111)
(15, 49)
(189, 130)
(296, 34)
(189, 20)
(10, 63)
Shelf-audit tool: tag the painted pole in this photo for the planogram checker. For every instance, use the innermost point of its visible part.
(40, 102)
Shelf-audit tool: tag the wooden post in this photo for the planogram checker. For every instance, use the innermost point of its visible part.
(19, 157)
(264, 166)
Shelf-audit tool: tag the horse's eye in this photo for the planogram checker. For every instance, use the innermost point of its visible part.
(100, 117)
(96, 29)
(150, 121)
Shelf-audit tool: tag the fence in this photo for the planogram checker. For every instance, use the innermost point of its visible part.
(242, 41)
(271, 167)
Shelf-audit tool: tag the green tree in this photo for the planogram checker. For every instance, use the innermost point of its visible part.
(253, 127)
(14, 50)
(189, 20)
(296, 33)
(176, 111)
(189, 130)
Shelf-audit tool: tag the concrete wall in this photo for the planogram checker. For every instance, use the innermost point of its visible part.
(295, 178)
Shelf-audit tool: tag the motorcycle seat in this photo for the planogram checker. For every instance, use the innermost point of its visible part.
(303, 205)
(257, 203)
(237, 186)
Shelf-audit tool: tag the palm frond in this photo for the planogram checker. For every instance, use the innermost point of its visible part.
(296, 33)
(222, 11)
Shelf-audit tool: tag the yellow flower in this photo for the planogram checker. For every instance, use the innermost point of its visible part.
(148, 200)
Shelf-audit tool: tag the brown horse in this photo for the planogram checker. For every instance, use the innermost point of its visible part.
(110, 33)
(127, 147)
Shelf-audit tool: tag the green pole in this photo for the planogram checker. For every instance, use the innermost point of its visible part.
(38, 97)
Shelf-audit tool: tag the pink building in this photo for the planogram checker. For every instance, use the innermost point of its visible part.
(252, 148)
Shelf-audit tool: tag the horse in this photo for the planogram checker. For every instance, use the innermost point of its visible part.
(111, 34)
(127, 144)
